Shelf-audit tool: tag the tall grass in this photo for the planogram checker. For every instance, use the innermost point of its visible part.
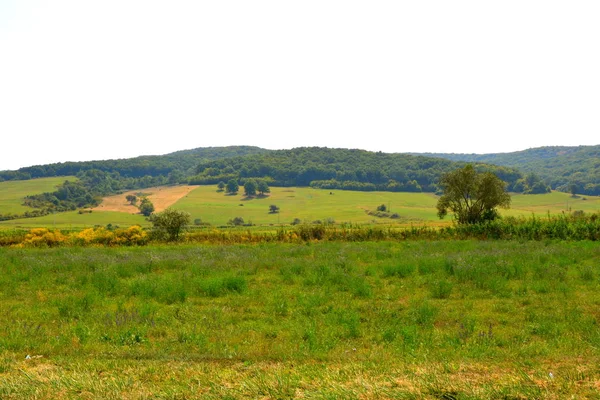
(471, 319)
(576, 226)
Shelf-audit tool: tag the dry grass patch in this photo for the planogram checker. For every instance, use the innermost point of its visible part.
(162, 197)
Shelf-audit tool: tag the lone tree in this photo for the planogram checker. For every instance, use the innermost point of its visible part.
(250, 188)
(232, 187)
(473, 197)
(131, 198)
(273, 209)
(146, 207)
(237, 221)
(221, 186)
(170, 223)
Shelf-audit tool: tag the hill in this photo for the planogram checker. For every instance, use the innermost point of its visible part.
(179, 163)
(349, 169)
(563, 168)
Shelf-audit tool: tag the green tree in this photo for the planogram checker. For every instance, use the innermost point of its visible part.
(232, 187)
(146, 207)
(473, 197)
(573, 189)
(131, 198)
(237, 221)
(263, 187)
(250, 187)
(221, 186)
(273, 209)
(170, 223)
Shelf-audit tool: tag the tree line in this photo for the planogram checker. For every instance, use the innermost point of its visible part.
(570, 169)
(340, 169)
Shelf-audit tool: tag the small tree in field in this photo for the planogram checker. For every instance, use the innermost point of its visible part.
(237, 221)
(146, 207)
(131, 198)
(473, 197)
(232, 187)
(170, 223)
(250, 187)
(263, 187)
(221, 186)
(273, 209)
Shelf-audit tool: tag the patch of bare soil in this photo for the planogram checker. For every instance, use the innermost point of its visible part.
(162, 197)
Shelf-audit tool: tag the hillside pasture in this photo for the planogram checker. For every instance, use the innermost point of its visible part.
(12, 193)
(307, 205)
(162, 197)
(302, 203)
(553, 203)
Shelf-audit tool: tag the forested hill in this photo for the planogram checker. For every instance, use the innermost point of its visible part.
(180, 163)
(563, 168)
(339, 169)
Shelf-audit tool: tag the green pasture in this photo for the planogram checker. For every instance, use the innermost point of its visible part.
(309, 204)
(72, 219)
(305, 204)
(553, 203)
(369, 320)
(13, 192)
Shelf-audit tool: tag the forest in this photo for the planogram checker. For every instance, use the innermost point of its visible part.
(563, 168)
(340, 169)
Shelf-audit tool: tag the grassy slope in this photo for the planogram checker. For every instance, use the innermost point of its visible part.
(304, 203)
(451, 319)
(555, 202)
(13, 192)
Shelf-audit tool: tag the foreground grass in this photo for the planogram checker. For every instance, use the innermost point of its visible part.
(460, 319)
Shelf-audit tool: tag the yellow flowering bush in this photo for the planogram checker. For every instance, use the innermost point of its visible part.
(42, 237)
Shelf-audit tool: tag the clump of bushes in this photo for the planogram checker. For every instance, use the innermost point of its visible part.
(43, 237)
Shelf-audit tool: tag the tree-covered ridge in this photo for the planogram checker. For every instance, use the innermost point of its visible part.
(179, 164)
(339, 169)
(564, 168)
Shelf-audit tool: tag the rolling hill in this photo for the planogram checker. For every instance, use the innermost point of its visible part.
(559, 166)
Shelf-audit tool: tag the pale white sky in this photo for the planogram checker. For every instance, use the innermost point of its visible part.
(82, 80)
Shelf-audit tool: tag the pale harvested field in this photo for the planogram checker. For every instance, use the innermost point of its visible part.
(162, 197)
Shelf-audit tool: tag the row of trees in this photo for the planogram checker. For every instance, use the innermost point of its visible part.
(251, 187)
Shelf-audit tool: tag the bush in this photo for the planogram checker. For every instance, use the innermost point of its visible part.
(237, 221)
(170, 223)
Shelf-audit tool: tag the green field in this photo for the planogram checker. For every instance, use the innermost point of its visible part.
(13, 192)
(306, 204)
(555, 203)
(408, 320)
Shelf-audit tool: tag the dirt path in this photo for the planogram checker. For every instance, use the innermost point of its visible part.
(162, 197)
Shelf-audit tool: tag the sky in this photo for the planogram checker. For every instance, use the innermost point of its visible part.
(91, 80)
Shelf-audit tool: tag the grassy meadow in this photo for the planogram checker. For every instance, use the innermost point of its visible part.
(13, 192)
(305, 204)
(395, 320)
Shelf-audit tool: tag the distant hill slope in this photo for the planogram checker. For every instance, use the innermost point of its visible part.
(558, 166)
(339, 169)
(180, 162)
